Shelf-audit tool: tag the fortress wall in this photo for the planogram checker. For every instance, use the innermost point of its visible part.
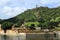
(39, 36)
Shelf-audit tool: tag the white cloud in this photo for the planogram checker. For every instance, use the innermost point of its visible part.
(10, 12)
(48, 1)
(3, 2)
(7, 11)
(45, 1)
(54, 3)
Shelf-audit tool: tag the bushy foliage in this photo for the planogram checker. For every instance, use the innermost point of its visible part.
(44, 15)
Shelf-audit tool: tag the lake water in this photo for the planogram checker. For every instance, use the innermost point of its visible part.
(16, 37)
(22, 37)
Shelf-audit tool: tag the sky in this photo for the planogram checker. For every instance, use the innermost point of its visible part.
(11, 8)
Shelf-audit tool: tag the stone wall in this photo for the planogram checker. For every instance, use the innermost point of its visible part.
(39, 36)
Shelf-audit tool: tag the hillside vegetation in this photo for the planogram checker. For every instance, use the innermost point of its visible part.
(46, 17)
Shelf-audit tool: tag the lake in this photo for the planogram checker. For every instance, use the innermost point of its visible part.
(14, 37)
(29, 37)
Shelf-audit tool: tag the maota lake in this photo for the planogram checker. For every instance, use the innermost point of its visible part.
(30, 36)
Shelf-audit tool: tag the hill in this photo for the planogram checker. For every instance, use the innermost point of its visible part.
(44, 15)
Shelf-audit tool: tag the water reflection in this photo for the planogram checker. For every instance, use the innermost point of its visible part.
(16, 37)
(22, 37)
(4, 37)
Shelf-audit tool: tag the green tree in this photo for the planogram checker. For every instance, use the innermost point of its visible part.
(32, 27)
(6, 25)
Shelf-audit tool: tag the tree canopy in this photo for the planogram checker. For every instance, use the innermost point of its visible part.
(47, 17)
